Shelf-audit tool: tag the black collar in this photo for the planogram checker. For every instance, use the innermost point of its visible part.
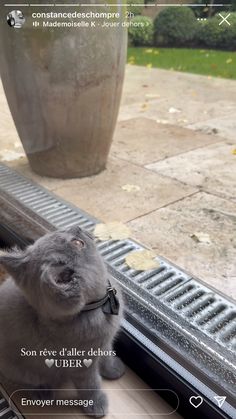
(109, 303)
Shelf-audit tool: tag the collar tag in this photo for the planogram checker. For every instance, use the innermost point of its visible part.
(112, 304)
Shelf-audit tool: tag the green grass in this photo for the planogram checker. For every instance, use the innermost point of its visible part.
(198, 61)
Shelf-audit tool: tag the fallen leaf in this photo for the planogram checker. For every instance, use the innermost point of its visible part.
(234, 151)
(229, 61)
(111, 231)
(152, 96)
(130, 188)
(182, 121)
(17, 145)
(148, 51)
(144, 106)
(149, 65)
(162, 121)
(201, 237)
(142, 260)
(10, 155)
(131, 60)
(174, 110)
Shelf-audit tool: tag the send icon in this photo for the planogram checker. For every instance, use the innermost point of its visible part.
(220, 400)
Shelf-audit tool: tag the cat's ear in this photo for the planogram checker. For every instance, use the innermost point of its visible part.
(89, 234)
(14, 261)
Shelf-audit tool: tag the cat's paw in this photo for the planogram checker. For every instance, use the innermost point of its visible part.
(99, 408)
(112, 368)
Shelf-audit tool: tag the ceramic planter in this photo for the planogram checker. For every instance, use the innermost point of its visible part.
(63, 87)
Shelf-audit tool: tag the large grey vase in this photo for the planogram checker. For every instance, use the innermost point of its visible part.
(63, 88)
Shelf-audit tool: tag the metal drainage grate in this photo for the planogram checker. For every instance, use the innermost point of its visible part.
(205, 310)
(188, 299)
(51, 209)
(155, 282)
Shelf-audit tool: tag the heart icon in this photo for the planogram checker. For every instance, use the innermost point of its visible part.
(87, 362)
(49, 362)
(196, 401)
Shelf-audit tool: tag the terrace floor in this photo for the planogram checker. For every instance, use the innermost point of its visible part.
(175, 142)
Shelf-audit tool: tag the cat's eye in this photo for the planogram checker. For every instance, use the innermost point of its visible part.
(78, 243)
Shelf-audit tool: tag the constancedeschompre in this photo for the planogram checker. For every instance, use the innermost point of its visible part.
(75, 15)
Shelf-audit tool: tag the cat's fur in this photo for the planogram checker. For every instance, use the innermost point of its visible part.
(40, 307)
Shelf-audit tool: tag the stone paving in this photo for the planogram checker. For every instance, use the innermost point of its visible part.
(174, 140)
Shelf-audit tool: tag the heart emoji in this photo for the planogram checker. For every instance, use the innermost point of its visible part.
(49, 362)
(87, 362)
(196, 401)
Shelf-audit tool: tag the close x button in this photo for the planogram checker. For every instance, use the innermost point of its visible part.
(224, 19)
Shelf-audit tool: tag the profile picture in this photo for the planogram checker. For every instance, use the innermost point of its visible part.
(15, 19)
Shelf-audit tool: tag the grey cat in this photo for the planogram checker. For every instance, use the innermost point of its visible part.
(42, 306)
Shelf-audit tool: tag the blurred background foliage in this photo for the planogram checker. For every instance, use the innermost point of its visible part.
(183, 27)
(190, 39)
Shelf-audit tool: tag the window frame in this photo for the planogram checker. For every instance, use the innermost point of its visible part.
(153, 360)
